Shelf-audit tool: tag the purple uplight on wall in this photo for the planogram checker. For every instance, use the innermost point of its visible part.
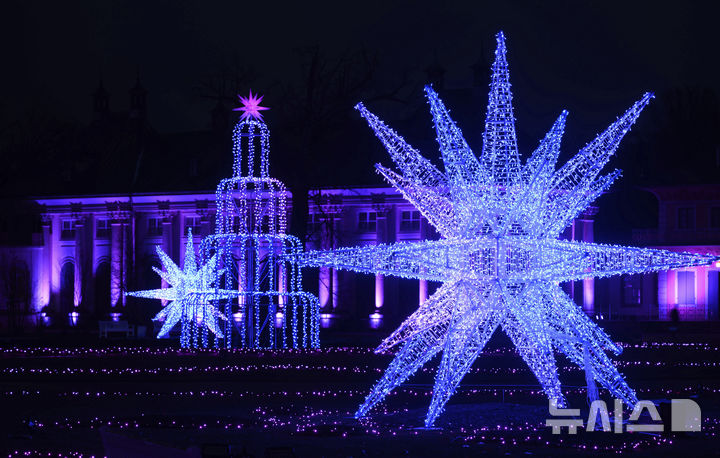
(501, 256)
(376, 320)
(326, 320)
(238, 316)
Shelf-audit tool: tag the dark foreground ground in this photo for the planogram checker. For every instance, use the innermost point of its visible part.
(149, 399)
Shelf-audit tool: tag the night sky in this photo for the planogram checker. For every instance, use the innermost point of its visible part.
(581, 53)
(593, 58)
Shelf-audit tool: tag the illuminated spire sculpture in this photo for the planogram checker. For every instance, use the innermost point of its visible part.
(499, 257)
(247, 280)
(251, 243)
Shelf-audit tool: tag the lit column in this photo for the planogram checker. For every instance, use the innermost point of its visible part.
(423, 291)
(55, 261)
(324, 287)
(125, 258)
(116, 263)
(166, 246)
(167, 235)
(324, 276)
(46, 272)
(381, 236)
(423, 284)
(328, 277)
(571, 283)
(335, 301)
(181, 239)
(79, 260)
(672, 290)
(379, 292)
(334, 272)
(89, 266)
(588, 283)
(36, 286)
(701, 296)
(663, 295)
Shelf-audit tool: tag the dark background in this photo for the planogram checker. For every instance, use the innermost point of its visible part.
(314, 60)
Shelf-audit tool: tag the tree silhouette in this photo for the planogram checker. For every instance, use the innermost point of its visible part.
(317, 110)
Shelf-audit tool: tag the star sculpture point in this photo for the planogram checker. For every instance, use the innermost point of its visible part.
(251, 107)
(500, 257)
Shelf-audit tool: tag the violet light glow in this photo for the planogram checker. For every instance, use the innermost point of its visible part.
(251, 106)
(500, 256)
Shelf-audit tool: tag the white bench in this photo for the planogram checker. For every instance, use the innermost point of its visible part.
(116, 327)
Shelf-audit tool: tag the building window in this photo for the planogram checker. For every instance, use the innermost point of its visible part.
(410, 221)
(315, 221)
(714, 217)
(686, 287)
(686, 218)
(68, 230)
(632, 289)
(367, 221)
(102, 228)
(192, 222)
(154, 227)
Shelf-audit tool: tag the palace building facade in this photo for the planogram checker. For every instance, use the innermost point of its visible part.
(86, 251)
(67, 261)
(688, 220)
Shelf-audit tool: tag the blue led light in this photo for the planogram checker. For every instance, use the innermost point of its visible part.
(499, 257)
(190, 294)
(249, 286)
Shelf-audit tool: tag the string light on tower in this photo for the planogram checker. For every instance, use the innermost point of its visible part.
(248, 273)
(250, 240)
(500, 256)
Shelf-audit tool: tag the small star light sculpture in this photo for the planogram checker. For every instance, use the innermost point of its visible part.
(190, 294)
(500, 256)
(251, 107)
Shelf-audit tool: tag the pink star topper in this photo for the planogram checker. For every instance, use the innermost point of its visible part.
(251, 106)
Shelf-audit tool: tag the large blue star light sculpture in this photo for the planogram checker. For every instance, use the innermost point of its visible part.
(500, 257)
(190, 294)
